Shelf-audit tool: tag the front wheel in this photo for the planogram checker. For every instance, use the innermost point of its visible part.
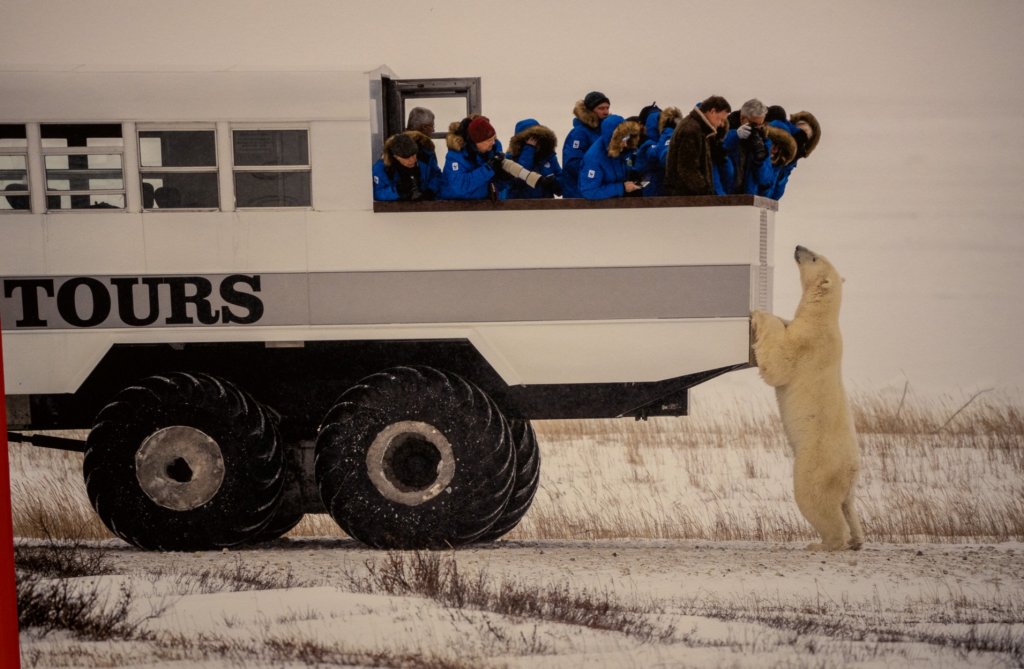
(184, 462)
(527, 480)
(414, 457)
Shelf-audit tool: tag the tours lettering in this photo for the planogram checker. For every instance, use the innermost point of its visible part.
(84, 301)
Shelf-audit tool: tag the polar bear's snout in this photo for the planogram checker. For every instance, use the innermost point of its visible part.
(802, 253)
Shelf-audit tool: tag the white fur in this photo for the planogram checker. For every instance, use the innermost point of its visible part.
(802, 360)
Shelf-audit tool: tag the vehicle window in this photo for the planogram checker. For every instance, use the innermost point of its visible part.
(271, 168)
(178, 169)
(14, 168)
(84, 165)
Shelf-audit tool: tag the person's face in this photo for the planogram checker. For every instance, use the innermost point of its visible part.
(716, 117)
(754, 121)
(486, 145)
(602, 110)
(406, 162)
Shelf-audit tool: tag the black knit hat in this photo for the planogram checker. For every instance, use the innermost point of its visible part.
(595, 98)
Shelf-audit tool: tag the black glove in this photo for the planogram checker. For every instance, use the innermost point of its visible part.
(422, 196)
(495, 162)
(550, 184)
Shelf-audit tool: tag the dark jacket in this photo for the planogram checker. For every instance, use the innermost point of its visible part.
(688, 167)
(393, 182)
(586, 129)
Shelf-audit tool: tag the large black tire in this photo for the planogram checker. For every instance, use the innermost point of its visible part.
(184, 462)
(414, 457)
(527, 480)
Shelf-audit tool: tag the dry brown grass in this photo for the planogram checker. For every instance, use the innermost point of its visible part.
(947, 470)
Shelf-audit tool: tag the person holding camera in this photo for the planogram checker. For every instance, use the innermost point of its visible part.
(586, 129)
(407, 170)
(747, 169)
(533, 149)
(690, 165)
(609, 166)
(473, 166)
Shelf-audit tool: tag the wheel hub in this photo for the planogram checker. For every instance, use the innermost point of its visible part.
(179, 467)
(410, 462)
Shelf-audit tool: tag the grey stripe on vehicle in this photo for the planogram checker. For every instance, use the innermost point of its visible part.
(370, 298)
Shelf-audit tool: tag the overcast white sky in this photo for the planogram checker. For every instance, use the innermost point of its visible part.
(915, 191)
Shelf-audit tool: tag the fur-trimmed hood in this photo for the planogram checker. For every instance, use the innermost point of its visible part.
(784, 142)
(529, 128)
(586, 116)
(426, 145)
(615, 129)
(808, 118)
(669, 115)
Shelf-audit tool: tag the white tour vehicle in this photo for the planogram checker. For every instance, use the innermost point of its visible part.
(194, 269)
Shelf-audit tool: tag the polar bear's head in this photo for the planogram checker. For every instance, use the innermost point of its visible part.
(820, 281)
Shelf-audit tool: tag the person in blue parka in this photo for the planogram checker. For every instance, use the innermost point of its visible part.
(653, 153)
(608, 168)
(407, 170)
(586, 129)
(533, 147)
(473, 166)
(748, 170)
(805, 132)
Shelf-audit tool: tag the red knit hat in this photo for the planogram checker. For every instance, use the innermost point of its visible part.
(480, 130)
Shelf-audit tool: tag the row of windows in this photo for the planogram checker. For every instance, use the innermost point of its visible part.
(83, 165)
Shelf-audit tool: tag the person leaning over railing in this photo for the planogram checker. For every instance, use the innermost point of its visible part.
(689, 166)
(407, 170)
(608, 166)
(533, 147)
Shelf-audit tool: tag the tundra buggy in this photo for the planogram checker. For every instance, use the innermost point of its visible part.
(194, 270)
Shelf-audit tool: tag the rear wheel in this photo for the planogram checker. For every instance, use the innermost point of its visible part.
(184, 462)
(414, 457)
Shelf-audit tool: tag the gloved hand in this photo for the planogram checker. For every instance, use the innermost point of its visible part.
(550, 184)
(743, 131)
(496, 161)
(758, 151)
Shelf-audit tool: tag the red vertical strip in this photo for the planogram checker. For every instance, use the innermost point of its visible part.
(9, 652)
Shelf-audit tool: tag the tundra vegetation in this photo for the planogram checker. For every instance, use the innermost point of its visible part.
(943, 473)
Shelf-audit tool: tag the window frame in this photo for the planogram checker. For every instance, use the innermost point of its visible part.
(22, 151)
(46, 151)
(271, 169)
(204, 169)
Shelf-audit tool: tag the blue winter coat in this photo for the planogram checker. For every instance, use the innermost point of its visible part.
(540, 158)
(385, 171)
(467, 172)
(782, 171)
(756, 179)
(585, 131)
(607, 164)
(650, 157)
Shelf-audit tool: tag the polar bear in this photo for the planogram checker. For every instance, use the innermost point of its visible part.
(801, 360)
